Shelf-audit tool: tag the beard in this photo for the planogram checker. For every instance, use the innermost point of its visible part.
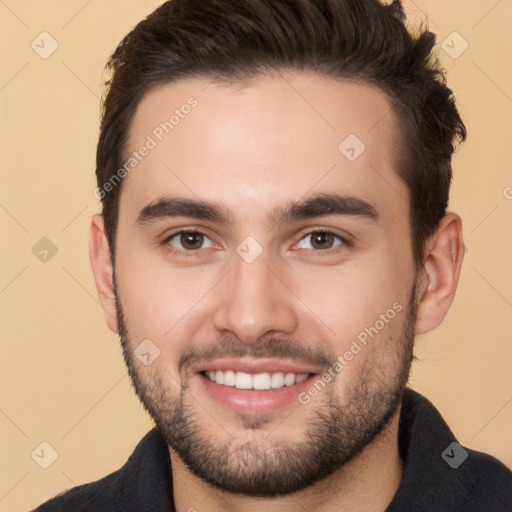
(334, 432)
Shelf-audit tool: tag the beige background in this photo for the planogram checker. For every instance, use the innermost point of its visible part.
(62, 375)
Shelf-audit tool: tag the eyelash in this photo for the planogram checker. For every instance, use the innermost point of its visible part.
(180, 252)
(345, 244)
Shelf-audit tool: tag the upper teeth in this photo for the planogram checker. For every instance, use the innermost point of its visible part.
(260, 381)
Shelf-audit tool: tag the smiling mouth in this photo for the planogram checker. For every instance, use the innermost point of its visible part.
(259, 381)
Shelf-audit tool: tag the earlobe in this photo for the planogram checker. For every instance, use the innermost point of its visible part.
(440, 273)
(102, 268)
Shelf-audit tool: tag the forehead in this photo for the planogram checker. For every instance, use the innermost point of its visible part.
(269, 141)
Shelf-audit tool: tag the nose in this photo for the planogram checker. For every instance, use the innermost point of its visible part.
(254, 302)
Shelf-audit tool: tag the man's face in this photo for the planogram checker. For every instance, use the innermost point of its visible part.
(295, 264)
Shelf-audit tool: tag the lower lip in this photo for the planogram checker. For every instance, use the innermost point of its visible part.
(252, 401)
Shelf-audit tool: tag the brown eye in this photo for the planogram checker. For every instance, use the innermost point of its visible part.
(320, 241)
(189, 240)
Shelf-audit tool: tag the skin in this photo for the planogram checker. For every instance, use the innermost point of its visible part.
(252, 149)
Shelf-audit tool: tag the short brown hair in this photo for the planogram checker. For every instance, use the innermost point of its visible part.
(236, 40)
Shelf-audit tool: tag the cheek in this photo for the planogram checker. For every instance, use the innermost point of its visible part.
(350, 299)
(159, 301)
(364, 311)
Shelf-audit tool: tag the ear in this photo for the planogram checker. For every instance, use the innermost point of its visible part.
(102, 268)
(438, 279)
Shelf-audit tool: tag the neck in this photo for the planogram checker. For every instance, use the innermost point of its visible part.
(367, 482)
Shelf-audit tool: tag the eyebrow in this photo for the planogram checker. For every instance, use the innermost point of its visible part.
(322, 205)
(318, 205)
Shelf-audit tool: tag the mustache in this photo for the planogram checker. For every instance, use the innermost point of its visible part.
(271, 348)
